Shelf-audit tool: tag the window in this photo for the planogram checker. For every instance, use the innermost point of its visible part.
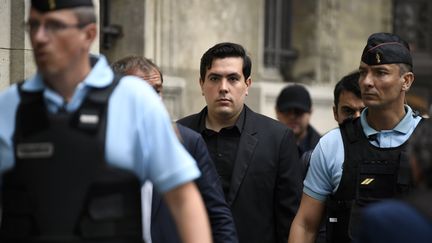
(413, 22)
(277, 43)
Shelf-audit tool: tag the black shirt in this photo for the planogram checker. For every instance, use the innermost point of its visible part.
(310, 141)
(222, 147)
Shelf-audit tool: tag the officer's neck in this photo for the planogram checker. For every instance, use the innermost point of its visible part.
(65, 82)
(384, 119)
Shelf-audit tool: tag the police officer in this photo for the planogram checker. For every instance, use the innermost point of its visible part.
(364, 160)
(77, 142)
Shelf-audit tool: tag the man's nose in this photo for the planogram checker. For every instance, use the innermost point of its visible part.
(366, 80)
(224, 86)
(356, 113)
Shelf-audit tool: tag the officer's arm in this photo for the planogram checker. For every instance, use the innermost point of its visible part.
(307, 220)
(189, 213)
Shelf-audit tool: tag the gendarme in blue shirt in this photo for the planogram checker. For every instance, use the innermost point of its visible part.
(139, 135)
(325, 169)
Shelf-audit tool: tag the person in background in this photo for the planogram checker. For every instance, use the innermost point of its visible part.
(347, 98)
(362, 161)
(418, 104)
(77, 142)
(255, 156)
(161, 224)
(294, 109)
(408, 219)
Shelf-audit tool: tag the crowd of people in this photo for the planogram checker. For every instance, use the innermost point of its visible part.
(88, 152)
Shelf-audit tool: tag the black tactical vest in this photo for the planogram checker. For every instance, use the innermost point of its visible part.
(61, 189)
(369, 174)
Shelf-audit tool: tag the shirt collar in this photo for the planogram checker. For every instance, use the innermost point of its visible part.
(403, 126)
(99, 76)
(239, 123)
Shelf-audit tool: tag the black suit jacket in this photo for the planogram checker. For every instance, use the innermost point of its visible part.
(163, 228)
(266, 182)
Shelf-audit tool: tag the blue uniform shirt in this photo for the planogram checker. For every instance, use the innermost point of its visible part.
(139, 135)
(325, 169)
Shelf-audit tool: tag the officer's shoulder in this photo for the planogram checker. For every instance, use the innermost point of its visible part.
(135, 85)
(9, 93)
(267, 121)
(331, 138)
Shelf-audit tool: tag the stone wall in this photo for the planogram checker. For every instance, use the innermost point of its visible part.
(328, 35)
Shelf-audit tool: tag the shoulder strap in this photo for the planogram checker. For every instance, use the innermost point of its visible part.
(351, 130)
(31, 113)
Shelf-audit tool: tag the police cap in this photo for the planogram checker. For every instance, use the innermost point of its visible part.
(386, 48)
(50, 5)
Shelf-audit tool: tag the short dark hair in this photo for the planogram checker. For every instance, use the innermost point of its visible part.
(419, 147)
(129, 63)
(223, 50)
(348, 83)
(404, 68)
(85, 15)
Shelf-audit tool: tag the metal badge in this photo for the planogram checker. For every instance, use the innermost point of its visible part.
(90, 119)
(377, 56)
(367, 181)
(34, 150)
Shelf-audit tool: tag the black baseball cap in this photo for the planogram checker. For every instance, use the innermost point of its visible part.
(294, 97)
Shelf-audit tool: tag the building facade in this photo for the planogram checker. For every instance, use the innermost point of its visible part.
(290, 41)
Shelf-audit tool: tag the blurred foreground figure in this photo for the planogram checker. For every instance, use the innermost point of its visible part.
(77, 143)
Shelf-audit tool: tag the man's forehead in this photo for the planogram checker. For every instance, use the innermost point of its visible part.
(227, 65)
(382, 66)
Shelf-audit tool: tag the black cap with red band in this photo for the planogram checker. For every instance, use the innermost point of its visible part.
(386, 48)
(51, 5)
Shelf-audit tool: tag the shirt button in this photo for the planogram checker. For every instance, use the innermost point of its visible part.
(219, 155)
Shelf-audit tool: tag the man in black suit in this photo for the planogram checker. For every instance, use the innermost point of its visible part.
(160, 227)
(255, 156)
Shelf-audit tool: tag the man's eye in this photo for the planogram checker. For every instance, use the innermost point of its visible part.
(348, 111)
(381, 72)
(213, 78)
(54, 26)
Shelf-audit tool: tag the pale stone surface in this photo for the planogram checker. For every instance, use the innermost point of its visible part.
(4, 69)
(330, 35)
(4, 42)
(172, 96)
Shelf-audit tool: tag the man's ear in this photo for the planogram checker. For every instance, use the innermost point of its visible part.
(335, 114)
(89, 34)
(201, 82)
(248, 82)
(407, 80)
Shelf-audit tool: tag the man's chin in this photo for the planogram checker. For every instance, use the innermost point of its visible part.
(224, 111)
